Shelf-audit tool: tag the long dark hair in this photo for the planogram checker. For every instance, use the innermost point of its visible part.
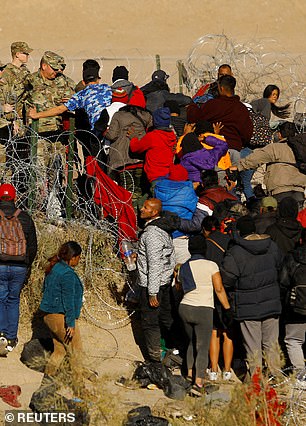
(279, 111)
(66, 252)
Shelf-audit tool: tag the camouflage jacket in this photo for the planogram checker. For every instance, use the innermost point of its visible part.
(47, 94)
(13, 89)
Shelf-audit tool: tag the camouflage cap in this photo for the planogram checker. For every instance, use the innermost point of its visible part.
(20, 46)
(55, 61)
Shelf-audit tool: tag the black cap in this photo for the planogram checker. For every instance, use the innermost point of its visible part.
(120, 73)
(159, 75)
(90, 74)
(246, 226)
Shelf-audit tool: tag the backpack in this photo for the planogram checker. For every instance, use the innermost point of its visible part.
(298, 145)
(262, 133)
(13, 245)
(297, 294)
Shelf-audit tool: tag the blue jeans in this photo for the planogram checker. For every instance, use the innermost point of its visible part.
(11, 282)
(246, 175)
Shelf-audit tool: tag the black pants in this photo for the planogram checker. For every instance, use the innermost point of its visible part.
(156, 322)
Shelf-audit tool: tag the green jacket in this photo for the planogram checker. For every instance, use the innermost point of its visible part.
(63, 293)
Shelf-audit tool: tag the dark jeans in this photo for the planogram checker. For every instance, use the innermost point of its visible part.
(11, 282)
(198, 323)
(156, 322)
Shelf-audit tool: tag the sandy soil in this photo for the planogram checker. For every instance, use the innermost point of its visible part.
(134, 31)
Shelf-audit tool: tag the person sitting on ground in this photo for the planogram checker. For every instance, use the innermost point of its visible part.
(198, 278)
(267, 104)
(195, 158)
(286, 230)
(157, 92)
(61, 306)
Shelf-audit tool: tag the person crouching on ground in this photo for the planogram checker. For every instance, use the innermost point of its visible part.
(61, 305)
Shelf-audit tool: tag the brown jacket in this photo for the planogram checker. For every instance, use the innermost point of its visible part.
(280, 176)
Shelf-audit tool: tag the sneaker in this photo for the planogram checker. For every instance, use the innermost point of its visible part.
(213, 375)
(227, 375)
(11, 344)
(3, 346)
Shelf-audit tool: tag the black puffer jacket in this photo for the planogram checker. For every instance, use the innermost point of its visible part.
(8, 207)
(250, 270)
(293, 272)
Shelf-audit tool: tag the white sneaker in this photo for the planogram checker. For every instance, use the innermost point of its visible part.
(213, 375)
(227, 375)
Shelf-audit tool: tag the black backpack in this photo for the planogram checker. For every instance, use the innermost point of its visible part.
(262, 132)
(297, 293)
(298, 145)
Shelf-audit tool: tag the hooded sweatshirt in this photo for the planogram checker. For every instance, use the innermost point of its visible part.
(159, 147)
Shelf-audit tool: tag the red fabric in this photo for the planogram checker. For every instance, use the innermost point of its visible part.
(238, 127)
(301, 217)
(217, 195)
(159, 146)
(9, 395)
(201, 90)
(137, 98)
(114, 200)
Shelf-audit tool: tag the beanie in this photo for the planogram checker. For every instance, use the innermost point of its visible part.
(288, 208)
(7, 192)
(120, 73)
(178, 172)
(246, 226)
(161, 117)
(120, 95)
(197, 245)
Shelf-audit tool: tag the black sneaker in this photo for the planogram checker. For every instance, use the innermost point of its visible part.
(11, 344)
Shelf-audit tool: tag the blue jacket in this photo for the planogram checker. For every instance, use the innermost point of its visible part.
(178, 197)
(63, 293)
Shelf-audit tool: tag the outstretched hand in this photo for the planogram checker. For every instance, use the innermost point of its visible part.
(33, 113)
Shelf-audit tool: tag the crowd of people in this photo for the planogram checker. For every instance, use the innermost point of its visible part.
(220, 195)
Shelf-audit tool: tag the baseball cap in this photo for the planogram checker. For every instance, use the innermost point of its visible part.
(269, 202)
(90, 74)
(7, 191)
(20, 46)
(55, 61)
(159, 75)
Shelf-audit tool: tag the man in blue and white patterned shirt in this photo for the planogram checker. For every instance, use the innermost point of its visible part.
(93, 99)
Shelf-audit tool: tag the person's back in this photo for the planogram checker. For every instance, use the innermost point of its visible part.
(286, 231)
(228, 109)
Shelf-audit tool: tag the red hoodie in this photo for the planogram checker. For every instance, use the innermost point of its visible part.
(159, 146)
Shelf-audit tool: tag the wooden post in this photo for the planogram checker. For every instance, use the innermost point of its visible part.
(180, 75)
(157, 60)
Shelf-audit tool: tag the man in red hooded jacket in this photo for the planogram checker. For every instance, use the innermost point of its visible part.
(158, 146)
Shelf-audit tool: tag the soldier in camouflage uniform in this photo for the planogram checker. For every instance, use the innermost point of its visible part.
(50, 88)
(13, 90)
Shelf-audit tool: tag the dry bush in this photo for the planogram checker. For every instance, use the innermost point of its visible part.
(100, 270)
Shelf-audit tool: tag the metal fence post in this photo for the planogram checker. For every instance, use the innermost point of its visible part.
(70, 160)
(33, 162)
